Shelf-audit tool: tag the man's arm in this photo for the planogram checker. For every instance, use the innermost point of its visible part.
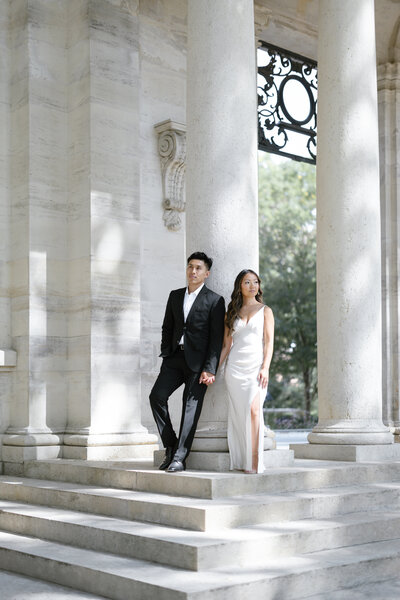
(216, 329)
(167, 329)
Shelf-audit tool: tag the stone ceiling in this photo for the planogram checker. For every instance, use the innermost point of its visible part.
(293, 24)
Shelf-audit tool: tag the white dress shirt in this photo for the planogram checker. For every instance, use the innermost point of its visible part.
(188, 303)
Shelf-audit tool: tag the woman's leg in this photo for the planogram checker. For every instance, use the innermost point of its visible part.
(255, 429)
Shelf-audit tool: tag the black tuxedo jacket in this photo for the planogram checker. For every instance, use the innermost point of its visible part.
(203, 332)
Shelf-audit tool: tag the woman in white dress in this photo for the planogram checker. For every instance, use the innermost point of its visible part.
(247, 349)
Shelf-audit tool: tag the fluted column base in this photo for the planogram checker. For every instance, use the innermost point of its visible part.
(24, 444)
(354, 431)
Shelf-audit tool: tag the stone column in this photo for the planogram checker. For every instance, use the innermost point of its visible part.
(74, 241)
(348, 237)
(37, 242)
(221, 182)
(7, 356)
(104, 413)
(389, 117)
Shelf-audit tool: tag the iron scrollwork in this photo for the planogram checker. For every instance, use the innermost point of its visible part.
(287, 104)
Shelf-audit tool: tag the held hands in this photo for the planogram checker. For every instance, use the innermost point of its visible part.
(207, 378)
(263, 377)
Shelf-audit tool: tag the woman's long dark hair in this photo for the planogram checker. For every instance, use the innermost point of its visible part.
(236, 302)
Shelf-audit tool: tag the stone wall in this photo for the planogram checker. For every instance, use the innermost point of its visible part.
(86, 262)
(162, 96)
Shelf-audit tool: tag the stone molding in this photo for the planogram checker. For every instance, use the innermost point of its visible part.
(389, 76)
(172, 152)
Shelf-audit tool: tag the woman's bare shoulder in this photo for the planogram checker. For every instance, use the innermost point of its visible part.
(268, 312)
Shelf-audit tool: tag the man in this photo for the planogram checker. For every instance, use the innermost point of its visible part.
(191, 342)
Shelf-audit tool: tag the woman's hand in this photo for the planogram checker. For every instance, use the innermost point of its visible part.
(263, 377)
(207, 378)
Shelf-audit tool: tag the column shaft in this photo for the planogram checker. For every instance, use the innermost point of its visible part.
(104, 412)
(348, 229)
(221, 188)
(389, 116)
(38, 231)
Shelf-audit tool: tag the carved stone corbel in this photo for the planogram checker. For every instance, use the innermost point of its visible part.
(172, 151)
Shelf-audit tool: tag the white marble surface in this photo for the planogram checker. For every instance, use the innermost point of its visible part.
(17, 587)
(162, 37)
(104, 222)
(38, 214)
(348, 230)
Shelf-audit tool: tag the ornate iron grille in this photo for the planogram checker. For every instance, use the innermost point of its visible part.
(287, 103)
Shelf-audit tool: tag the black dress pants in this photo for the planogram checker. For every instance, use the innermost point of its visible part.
(174, 372)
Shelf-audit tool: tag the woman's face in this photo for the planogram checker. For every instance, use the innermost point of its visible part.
(249, 286)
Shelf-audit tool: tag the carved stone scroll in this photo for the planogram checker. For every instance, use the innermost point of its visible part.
(172, 151)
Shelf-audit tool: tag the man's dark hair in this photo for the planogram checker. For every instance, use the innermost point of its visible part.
(201, 256)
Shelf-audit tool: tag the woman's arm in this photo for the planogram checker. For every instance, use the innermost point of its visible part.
(226, 344)
(268, 346)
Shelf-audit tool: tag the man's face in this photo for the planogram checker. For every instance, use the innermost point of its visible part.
(196, 272)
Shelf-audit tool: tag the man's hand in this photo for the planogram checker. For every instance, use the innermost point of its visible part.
(207, 378)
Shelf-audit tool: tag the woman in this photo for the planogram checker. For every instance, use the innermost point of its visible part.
(247, 348)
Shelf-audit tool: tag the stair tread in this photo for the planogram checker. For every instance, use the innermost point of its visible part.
(164, 533)
(13, 586)
(188, 581)
(141, 475)
(198, 503)
(389, 589)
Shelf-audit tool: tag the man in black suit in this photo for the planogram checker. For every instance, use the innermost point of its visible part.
(191, 342)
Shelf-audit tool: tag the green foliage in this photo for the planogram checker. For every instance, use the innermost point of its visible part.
(287, 226)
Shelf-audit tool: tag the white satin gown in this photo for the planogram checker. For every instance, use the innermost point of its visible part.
(241, 370)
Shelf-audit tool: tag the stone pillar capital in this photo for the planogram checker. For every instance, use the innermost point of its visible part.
(172, 152)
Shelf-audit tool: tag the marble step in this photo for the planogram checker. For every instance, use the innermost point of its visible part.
(201, 514)
(387, 589)
(20, 587)
(120, 578)
(249, 546)
(142, 476)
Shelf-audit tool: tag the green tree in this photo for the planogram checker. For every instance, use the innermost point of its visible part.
(287, 220)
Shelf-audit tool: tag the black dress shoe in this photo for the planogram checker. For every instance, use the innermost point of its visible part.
(169, 453)
(176, 466)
